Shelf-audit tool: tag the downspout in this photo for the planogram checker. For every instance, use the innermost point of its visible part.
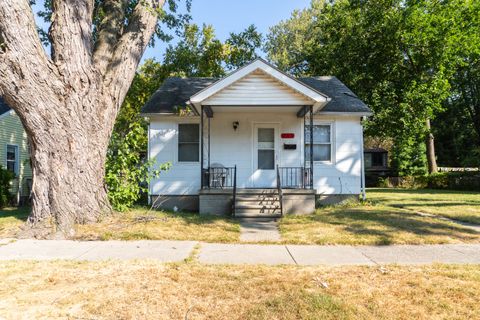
(149, 197)
(362, 182)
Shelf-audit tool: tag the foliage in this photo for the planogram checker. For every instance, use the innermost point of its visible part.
(439, 180)
(170, 17)
(200, 54)
(5, 180)
(402, 57)
(127, 172)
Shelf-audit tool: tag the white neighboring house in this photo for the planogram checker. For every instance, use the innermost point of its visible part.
(242, 144)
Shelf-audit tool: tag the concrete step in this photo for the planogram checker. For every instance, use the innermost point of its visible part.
(242, 214)
(256, 198)
(257, 191)
(249, 212)
(245, 205)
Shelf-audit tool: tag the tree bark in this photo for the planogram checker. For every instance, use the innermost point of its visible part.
(431, 158)
(68, 103)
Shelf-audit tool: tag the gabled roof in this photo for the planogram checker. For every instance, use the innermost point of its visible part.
(327, 94)
(176, 92)
(3, 106)
(317, 98)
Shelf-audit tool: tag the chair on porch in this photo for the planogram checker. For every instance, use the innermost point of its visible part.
(218, 175)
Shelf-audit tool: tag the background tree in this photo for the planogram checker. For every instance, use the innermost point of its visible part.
(398, 56)
(68, 100)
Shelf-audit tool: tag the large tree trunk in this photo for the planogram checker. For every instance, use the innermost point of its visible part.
(68, 102)
(431, 158)
(68, 188)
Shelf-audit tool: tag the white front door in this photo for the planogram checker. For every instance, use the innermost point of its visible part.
(265, 155)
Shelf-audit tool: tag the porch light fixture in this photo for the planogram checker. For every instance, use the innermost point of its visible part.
(235, 125)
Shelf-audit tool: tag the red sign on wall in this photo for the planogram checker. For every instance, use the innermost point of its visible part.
(288, 135)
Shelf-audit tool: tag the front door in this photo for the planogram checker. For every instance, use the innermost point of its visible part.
(265, 155)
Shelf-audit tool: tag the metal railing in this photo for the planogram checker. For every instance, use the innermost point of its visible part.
(279, 190)
(234, 200)
(219, 177)
(295, 178)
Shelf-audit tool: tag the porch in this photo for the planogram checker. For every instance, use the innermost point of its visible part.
(220, 195)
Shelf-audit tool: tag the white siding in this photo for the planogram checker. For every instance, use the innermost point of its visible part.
(182, 178)
(230, 147)
(343, 174)
(258, 88)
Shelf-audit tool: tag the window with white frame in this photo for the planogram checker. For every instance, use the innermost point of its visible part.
(322, 142)
(12, 158)
(188, 142)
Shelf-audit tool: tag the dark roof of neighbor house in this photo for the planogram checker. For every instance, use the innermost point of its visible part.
(175, 92)
(3, 106)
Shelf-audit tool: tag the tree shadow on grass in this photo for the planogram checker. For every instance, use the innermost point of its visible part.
(20, 213)
(195, 218)
(387, 225)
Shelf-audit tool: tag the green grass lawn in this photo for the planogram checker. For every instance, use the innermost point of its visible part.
(460, 205)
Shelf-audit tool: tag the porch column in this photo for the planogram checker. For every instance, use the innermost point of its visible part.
(311, 146)
(201, 149)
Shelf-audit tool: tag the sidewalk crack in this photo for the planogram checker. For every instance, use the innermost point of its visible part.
(291, 255)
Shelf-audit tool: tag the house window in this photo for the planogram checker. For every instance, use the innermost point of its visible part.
(12, 158)
(188, 142)
(377, 159)
(266, 148)
(322, 143)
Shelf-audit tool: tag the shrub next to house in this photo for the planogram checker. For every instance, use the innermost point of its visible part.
(5, 179)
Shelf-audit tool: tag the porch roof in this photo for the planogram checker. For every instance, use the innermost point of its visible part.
(175, 94)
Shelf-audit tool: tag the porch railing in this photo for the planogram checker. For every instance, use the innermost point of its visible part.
(295, 178)
(219, 177)
(279, 190)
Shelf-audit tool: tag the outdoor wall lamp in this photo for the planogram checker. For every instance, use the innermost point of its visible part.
(235, 125)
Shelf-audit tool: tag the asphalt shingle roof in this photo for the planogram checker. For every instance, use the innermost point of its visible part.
(3, 106)
(176, 92)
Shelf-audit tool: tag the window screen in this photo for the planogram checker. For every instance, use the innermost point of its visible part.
(188, 142)
(322, 143)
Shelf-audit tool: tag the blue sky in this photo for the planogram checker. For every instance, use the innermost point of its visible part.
(231, 16)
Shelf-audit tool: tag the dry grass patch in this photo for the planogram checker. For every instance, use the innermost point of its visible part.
(460, 205)
(150, 290)
(368, 224)
(141, 223)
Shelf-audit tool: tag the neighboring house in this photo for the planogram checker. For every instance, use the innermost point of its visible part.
(243, 136)
(376, 165)
(14, 153)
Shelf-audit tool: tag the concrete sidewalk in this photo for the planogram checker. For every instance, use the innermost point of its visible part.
(214, 253)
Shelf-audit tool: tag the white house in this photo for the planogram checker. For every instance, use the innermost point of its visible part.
(243, 144)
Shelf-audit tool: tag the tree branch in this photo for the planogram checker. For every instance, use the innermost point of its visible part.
(129, 50)
(27, 73)
(71, 37)
(109, 31)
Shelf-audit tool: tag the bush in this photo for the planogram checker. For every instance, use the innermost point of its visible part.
(5, 179)
(440, 180)
(126, 173)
